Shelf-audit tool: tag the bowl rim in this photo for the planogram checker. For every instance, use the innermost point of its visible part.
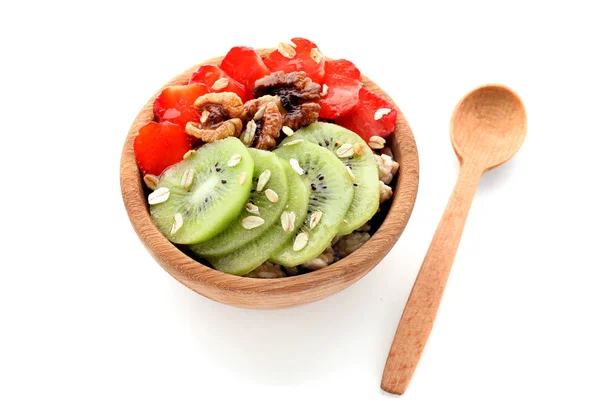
(278, 292)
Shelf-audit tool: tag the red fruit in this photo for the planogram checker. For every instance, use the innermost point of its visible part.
(244, 65)
(208, 74)
(176, 103)
(373, 116)
(304, 60)
(160, 145)
(342, 79)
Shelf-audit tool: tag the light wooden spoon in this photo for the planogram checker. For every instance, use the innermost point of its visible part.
(487, 128)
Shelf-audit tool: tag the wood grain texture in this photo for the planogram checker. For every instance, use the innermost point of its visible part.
(487, 128)
(271, 293)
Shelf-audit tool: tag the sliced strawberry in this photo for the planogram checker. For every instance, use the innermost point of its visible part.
(218, 81)
(244, 65)
(160, 145)
(307, 58)
(373, 116)
(176, 103)
(340, 89)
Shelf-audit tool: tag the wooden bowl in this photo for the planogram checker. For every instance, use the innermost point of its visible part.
(281, 292)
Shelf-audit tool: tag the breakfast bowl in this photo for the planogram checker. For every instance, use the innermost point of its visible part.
(282, 292)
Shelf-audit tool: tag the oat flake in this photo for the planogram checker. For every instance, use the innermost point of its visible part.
(376, 142)
(288, 220)
(151, 181)
(220, 83)
(315, 218)
(381, 112)
(235, 159)
(188, 178)
(272, 195)
(243, 176)
(189, 154)
(263, 179)
(296, 166)
(300, 241)
(251, 208)
(345, 150)
(159, 196)
(252, 222)
(287, 130)
(286, 49)
(177, 223)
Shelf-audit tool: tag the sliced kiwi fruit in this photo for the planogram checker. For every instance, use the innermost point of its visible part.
(331, 193)
(268, 197)
(200, 196)
(358, 158)
(247, 258)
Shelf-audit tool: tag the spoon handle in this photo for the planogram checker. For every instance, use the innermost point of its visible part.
(422, 306)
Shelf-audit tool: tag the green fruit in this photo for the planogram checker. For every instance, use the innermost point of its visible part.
(203, 195)
(331, 193)
(363, 167)
(253, 254)
(261, 207)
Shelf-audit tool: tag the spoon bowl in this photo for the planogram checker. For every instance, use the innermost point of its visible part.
(488, 126)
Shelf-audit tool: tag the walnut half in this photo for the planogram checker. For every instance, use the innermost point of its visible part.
(220, 118)
(294, 90)
(264, 122)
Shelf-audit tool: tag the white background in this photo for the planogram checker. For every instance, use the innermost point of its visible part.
(92, 327)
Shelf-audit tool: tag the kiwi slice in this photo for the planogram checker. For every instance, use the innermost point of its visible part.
(358, 158)
(200, 196)
(253, 254)
(331, 193)
(268, 198)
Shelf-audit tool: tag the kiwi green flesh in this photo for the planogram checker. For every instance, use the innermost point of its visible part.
(215, 197)
(236, 235)
(366, 187)
(331, 192)
(253, 254)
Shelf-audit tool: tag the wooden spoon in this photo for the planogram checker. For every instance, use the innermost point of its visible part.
(487, 128)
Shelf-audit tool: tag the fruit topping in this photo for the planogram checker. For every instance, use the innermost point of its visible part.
(331, 194)
(159, 145)
(218, 81)
(373, 116)
(219, 117)
(360, 163)
(298, 55)
(244, 65)
(199, 197)
(269, 202)
(295, 90)
(176, 103)
(339, 94)
(264, 122)
(253, 254)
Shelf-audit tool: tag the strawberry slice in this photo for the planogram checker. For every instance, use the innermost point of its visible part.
(176, 103)
(160, 145)
(244, 65)
(340, 89)
(218, 81)
(306, 57)
(373, 116)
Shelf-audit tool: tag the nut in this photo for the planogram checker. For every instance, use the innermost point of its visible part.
(265, 122)
(229, 128)
(267, 270)
(294, 89)
(220, 118)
